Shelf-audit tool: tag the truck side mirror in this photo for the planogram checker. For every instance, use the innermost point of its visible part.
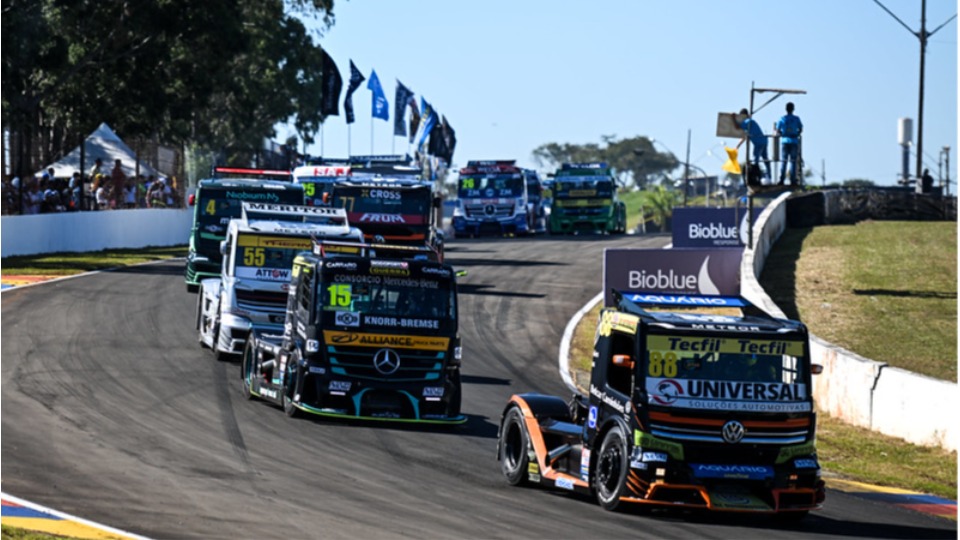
(623, 360)
(326, 198)
(223, 247)
(192, 199)
(816, 369)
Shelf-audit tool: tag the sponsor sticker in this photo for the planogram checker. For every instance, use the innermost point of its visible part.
(592, 417)
(433, 392)
(347, 318)
(340, 387)
(805, 463)
(386, 340)
(564, 483)
(728, 395)
(740, 472)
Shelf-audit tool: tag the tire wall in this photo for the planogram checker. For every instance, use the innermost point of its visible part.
(94, 231)
(855, 389)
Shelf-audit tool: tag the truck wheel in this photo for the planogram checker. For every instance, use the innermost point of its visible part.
(290, 386)
(611, 472)
(454, 407)
(247, 369)
(199, 321)
(514, 444)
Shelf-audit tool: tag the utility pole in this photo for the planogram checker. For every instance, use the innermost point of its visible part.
(922, 35)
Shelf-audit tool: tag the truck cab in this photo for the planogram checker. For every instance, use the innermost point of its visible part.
(257, 254)
(492, 198)
(371, 333)
(685, 409)
(585, 200)
(318, 180)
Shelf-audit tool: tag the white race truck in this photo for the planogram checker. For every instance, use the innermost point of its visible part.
(258, 253)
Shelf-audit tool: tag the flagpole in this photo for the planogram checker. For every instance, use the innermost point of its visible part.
(349, 140)
(321, 141)
(371, 135)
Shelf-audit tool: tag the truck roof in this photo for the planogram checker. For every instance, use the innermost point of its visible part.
(689, 311)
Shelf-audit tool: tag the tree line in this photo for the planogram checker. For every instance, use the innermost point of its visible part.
(216, 74)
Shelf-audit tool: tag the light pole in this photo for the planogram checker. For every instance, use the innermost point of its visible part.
(922, 35)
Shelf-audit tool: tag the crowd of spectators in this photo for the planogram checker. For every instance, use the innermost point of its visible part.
(102, 189)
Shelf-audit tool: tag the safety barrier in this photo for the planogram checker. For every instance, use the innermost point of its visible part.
(94, 231)
(855, 389)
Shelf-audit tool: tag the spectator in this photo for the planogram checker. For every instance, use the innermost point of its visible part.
(34, 198)
(130, 194)
(75, 190)
(103, 196)
(142, 184)
(758, 141)
(96, 170)
(927, 181)
(156, 196)
(789, 127)
(118, 184)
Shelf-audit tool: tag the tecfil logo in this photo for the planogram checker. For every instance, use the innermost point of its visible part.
(712, 231)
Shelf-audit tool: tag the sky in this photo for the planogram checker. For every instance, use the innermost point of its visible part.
(513, 75)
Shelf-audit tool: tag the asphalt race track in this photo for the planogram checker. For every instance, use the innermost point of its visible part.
(112, 411)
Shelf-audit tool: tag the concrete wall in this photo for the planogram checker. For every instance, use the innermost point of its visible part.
(855, 389)
(93, 231)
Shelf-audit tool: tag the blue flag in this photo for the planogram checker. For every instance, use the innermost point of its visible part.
(379, 108)
(404, 95)
(355, 79)
(428, 119)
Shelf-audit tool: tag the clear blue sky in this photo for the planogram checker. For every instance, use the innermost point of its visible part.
(513, 75)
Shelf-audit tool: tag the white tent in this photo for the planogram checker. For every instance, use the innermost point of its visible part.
(103, 143)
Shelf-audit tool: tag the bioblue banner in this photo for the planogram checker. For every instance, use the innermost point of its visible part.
(697, 227)
(714, 271)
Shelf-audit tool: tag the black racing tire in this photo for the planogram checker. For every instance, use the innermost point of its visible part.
(514, 448)
(290, 386)
(247, 369)
(454, 407)
(199, 319)
(611, 472)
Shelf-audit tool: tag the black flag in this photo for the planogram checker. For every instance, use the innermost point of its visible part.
(332, 85)
(355, 79)
(403, 96)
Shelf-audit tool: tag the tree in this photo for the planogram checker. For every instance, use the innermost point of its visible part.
(659, 201)
(635, 161)
(218, 73)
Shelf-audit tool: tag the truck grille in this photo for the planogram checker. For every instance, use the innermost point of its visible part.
(262, 300)
(709, 430)
(480, 211)
(358, 362)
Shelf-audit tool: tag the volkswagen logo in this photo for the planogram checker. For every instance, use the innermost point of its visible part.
(387, 361)
(732, 431)
(489, 209)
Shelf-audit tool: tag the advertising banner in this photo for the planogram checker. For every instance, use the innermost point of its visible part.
(674, 271)
(695, 227)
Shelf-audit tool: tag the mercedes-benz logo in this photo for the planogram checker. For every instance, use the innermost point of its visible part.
(387, 361)
(733, 432)
(489, 210)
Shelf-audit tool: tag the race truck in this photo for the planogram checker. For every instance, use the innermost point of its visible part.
(392, 210)
(536, 202)
(492, 199)
(370, 333)
(251, 292)
(217, 201)
(585, 199)
(317, 181)
(686, 409)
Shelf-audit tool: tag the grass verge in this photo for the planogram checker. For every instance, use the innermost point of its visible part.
(68, 264)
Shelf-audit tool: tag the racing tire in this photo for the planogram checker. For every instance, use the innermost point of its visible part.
(290, 386)
(611, 472)
(247, 370)
(199, 321)
(514, 448)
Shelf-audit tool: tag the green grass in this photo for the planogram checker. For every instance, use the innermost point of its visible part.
(16, 533)
(847, 267)
(67, 264)
(885, 290)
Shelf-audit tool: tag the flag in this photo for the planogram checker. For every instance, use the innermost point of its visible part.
(379, 108)
(428, 118)
(355, 79)
(442, 141)
(332, 85)
(732, 165)
(403, 96)
(414, 118)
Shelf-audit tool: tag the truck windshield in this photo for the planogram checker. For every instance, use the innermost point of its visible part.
(583, 187)
(404, 303)
(726, 373)
(267, 257)
(216, 206)
(491, 186)
(375, 205)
